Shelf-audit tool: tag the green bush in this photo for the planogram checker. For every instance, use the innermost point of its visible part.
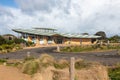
(114, 73)
(46, 60)
(6, 47)
(81, 64)
(30, 67)
(18, 41)
(10, 42)
(1, 48)
(14, 64)
(3, 60)
(96, 46)
(61, 64)
(29, 58)
(114, 39)
(89, 48)
(2, 40)
(77, 48)
(17, 46)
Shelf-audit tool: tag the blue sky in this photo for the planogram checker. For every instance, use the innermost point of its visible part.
(72, 16)
(10, 3)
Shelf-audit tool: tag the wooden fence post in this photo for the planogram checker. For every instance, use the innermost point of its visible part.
(72, 68)
(28, 54)
(58, 48)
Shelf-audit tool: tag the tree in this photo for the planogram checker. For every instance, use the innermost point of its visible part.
(115, 38)
(2, 40)
(18, 41)
(102, 34)
(85, 33)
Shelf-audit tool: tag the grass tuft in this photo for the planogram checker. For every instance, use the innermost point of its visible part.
(61, 64)
(30, 67)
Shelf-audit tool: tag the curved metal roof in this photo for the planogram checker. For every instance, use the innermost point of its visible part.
(45, 33)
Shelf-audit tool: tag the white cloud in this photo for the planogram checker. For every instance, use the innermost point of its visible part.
(66, 15)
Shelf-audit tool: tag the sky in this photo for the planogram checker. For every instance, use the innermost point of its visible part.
(70, 16)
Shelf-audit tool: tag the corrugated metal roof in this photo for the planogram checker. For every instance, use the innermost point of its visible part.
(45, 33)
(44, 28)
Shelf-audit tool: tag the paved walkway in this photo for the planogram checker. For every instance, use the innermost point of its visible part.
(106, 58)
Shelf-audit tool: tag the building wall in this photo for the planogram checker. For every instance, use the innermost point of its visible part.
(73, 41)
(9, 37)
(38, 40)
(66, 41)
(86, 41)
(45, 40)
(29, 38)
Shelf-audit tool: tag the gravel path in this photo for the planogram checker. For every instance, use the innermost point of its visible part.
(106, 58)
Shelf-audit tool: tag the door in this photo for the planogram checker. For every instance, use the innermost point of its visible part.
(58, 40)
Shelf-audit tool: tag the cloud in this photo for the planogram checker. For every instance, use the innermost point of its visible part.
(39, 5)
(74, 16)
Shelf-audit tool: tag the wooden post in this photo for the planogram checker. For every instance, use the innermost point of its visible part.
(101, 43)
(72, 68)
(81, 42)
(28, 54)
(58, 48)
(108, 42)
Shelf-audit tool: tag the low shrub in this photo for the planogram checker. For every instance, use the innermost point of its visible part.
(46, 60)
(96, 47)
(3, 60)
(6, 46)
(114, 73)
(18, 41)
(2, 40)
(61, 64)
(9, 42)
(81, 64)
(30, 67)
(77, 48)
(0, 48)
(30, 58)
(17, 47)
(14, 64)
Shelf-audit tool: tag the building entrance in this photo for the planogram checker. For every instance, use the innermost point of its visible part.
(58, 40)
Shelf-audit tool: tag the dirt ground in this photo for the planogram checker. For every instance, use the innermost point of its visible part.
(12, 73)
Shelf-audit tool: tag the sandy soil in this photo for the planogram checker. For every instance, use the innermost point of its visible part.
(12, 73)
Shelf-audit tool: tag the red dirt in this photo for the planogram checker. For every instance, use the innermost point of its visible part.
(12, 73)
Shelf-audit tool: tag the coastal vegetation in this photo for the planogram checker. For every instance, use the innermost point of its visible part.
(57, 69)
(46, 65)
(12, 45)
(114, 73)
(90, 48)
